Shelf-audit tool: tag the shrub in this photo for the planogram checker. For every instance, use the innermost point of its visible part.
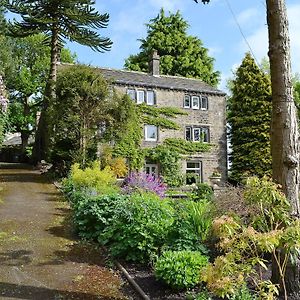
(192, 225)
(93, 214)
(202, 191)
(140, 181)
(139, 229)
(101, 181)
(243, 294)
(180, 269)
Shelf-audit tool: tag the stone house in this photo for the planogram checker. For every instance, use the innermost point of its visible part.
(204, 122)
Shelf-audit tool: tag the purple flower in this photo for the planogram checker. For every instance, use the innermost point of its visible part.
(145, 182)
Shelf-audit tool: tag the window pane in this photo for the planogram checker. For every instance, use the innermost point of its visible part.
(187, 101)
(150, 133)
(204, 103)
(140, 97)
(188, 133)
(150, 98)
(131, 94)
(193, 165)
(197, 134)
(204, 135)
(193, 172)
(195, 102)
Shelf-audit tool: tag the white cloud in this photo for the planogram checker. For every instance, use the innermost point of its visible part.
(258, 40)
(247, 16)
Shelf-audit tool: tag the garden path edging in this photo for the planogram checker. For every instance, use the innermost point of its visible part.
(132, 281)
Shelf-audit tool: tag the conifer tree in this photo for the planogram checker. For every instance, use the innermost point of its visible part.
(249, 118)
(74, 20)
(180, 53)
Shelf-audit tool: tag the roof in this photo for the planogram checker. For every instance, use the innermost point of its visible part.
(133, 78)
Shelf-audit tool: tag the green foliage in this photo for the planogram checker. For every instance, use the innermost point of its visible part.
(249, 117)
(139, 229)
(186, 147)
(168, 160)
(191, 227)
(126, 130)
(180, 269)
(272, 208)
(93, 214)
(270, 230)
(80, 106)
(202, 191)
(243, 294)
(180, 53)
(201, 217)
(203, 295)
(117, 164)
(92, 178)
(25, 63)
(72, 20)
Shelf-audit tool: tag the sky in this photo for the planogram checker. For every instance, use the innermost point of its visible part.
(226, 28)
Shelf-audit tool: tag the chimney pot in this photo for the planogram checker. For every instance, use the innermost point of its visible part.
(154, 64)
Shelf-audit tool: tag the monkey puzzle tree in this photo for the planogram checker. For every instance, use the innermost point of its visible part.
(74, 20)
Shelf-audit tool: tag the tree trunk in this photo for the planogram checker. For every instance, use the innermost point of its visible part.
(42, 138)
(284, 132)
(25, 133)
(24, 138)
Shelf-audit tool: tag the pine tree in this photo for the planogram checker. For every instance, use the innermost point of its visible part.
(180, 53)
(249, 118)
(74, 20)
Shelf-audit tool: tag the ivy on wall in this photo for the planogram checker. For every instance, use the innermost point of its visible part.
(127, 134)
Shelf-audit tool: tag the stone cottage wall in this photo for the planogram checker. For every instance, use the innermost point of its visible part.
(214, 118)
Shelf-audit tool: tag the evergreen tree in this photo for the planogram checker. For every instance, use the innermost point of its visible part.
(25, 64)
(74, 20)
(180, 53)
(249, 117)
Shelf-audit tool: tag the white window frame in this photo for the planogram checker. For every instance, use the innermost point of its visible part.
(196, 170)
(147, 97)
(202, 130)
(197, 106)
(146, 131)
(153, 168)
(139, 99)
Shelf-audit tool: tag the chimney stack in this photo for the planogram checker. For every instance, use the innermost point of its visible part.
(154, 64)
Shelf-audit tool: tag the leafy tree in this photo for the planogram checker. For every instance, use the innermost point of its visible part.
(59, 20)
(80, 107)
(25, 64)
(285, 135)
(249, 118)
(180, 53)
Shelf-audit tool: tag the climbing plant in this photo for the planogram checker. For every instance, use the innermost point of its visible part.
(126, 132)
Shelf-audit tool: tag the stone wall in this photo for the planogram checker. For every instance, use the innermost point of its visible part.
(214, 118)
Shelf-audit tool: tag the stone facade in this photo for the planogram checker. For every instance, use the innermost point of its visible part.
(172, 91)
(213, 118)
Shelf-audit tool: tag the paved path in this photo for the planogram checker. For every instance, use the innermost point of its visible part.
(39, 257)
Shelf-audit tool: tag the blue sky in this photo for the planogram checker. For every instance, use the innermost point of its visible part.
(214, 24)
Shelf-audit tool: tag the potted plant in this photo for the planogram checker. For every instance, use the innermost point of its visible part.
(215, 177)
